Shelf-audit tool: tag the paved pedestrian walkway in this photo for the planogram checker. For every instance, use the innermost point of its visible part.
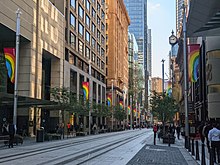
(161, 153)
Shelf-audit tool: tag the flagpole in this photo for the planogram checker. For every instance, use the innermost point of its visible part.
(18, 13)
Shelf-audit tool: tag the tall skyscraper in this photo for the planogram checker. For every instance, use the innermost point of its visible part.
(137, 11)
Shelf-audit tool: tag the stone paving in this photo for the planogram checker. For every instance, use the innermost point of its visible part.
(161, 153)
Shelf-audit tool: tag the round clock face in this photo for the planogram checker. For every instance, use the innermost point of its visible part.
(173, 39)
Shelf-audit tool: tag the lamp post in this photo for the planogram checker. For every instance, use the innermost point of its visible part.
(163, 92)
(90, 94)
(113, 101)
(185, 79)
(131, 112)
(18, 12)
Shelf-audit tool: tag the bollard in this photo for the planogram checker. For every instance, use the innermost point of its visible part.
(169, 139)
(189, 145)
(203, 154)
(197, 150)
(193, 152)
(211, 161)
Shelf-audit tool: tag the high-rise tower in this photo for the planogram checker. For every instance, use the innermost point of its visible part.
(137, 11)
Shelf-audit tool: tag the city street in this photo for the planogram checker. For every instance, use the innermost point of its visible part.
(118, 148)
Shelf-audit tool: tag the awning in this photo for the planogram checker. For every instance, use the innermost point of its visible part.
(203, 18)
(7, 99)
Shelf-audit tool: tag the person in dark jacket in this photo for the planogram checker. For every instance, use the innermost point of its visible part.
(11, 132)
(178, 131)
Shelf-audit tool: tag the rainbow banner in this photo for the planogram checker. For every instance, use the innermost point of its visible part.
(193, 61)
(169, 88)
(109, 100)
(129, 109)
(10, 62)
(121, 104)
(85, 86)
(135, 112)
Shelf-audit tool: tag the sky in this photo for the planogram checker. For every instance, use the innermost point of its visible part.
(161, 21)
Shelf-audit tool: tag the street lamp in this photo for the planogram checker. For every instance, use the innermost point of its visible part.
(113, 102)
(18, 13)
(163, 93)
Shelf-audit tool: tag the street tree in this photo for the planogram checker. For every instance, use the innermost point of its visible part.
(163, 107)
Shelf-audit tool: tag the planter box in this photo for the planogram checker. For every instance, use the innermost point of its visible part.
(166, 139)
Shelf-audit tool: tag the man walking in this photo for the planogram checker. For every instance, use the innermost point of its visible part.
(11, 132)
(155, 133)
(214, 138)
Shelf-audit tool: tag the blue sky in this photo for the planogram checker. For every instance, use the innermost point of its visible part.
(161, 21)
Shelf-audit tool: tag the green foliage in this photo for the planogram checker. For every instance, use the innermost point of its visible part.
(119, 114)
(162, 104)
(101, 110)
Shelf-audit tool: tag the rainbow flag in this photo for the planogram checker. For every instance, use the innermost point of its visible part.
(169, 89)
(135, 112)
(193, 61)
(85, 86)
(10, 62)
(129, 109)
(109, 100)
(121, 104)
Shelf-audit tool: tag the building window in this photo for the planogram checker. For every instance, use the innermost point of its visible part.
(98, 35)
(102, 65)
(72, 20)
(98, 62)
(87, 21)
(81, 12)
(93, 28)
(103, 40)
(98, 49)
(98, 20)
(80, 47)
(87, 53)
(98, 7)
(87, 37)
(81, 29)
(103, 2)
(93, 57)
(93, 43)
(93, 1)
(102, 52)
(72, 40)
(103, 27)
(73, 3)
(93, 14)
(88, 5)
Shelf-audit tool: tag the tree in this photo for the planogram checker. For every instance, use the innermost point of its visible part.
(119, 114)
(163, 107)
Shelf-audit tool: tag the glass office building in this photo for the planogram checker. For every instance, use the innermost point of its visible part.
(137, 11)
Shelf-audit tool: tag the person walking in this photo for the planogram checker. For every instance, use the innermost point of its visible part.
(178, 131)
(214, 138)
(155, 133)
(11, 132)
(205, 132)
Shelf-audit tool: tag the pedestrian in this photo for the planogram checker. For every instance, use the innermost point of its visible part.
(68, 128)
(178, 131)
(5, 129)
(81, 127)
(205, 132)
(11, 132)
(214, 138)
(200, 128)
(155, 133)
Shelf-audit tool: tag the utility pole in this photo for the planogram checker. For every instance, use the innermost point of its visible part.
(18, 12)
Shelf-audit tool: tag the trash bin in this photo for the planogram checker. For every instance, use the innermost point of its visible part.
(40, 135)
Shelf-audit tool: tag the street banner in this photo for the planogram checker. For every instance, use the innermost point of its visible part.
(85, 86)
(10, 62)
(121, 104)
(109, 100)
(193, 62)
(129, 109)
(169, 89)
